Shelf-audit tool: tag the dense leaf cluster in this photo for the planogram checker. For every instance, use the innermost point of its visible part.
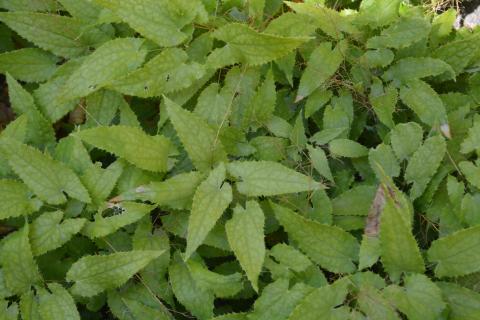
(238, 160)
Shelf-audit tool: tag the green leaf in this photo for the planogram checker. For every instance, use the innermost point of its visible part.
(471, 172)
(161, 21)
(82, 9)
(442, 26)
(47, 178)
(383, 161)
(73, 153)
(94, 274)
(464, 304)
(381, 57)
(330, 247)
(406, 138)
(102, 107)
(472, 141)
(130, 212)
(28, 64)
(246, 238)
(374, 305)
(100, 182)
(377, 13)
(260, 110)
(57, 304)
(384, 101)
(28, 5)
(417, 68)
(111, 61)
(319, 161)
(321, 65)
(8, 312)
(244, 44)
(42, 29)
(356, 201)
(399, 250)
(321, 301)
(369, 251)
(211, 199)
(424, 101)
(47, 233)
(424, 163)
(401, 34)
(200, 141)
(143, 312)
(347, 148)
(167, 72)
(20, 271)
(267, 178)
(419, 298)
(195, 299)
(130, 143)
(459, 53)
(456, 254)
(16, 199)
(277, 300)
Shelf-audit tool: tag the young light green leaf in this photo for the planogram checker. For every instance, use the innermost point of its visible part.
(199, 139)
(246, 238)
(72, 152)
(195, 299)
(168, 72)
(47, 233)
(416, 68)
(164, 22)
(268, 178)
(42, 29)
(442, 26)
(401, 34)
(330, 247)
(47, 178)
(419, 298)
(321, 65)
(209, 202)
(28, 64)
(111, 61)
(347, 148)
(424, 163)
(132, 144)
(20, 270)
(94, 274)
(130, 212)
(456, 254)
(100, 182)
(57, 304)
(16, 200)
(406, 138)
(244, 44)
(377, 13)
(9, 312)
(424, 101)
(399, 249)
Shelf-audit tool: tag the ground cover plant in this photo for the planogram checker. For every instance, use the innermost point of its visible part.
(238, 160)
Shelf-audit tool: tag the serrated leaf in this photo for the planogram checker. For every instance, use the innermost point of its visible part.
(374, 305)
(377, 13)
(381, 57)
(261, 108)
(113, 60)
(355, 201)
(130, 212)
(347, 148)
(42, 29)
(20, 270)
(197, 300)
(29, 306)
(28, 64)
(198, 138)
(268, 178)
(57, 304)
(320, 162)
(384, 101)
(424, 101)
(416, 68)
(401, 34)
(47, 233)
(419, 298)
(162, 21)
(471, 172)
(464, 304)
(322, 64)
(472, 141)
(424, 163)
(246, 45)
(246, 238)
(458, 53)
(442, 26)
(94, 274)
(369, 251)
(277, 300)
(383, 161)
(8, 312)
(211, 199)
(399, 249)
(102, 107)
(73, 153)
(141, 311)
(132, 144)
(82, 9)
(100, 182)
(47, 178)
(329, 246)
(167, 72)
(456, 254)
(16, 199)
(406, 138)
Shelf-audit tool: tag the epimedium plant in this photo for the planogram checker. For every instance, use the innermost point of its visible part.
(238, 160)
